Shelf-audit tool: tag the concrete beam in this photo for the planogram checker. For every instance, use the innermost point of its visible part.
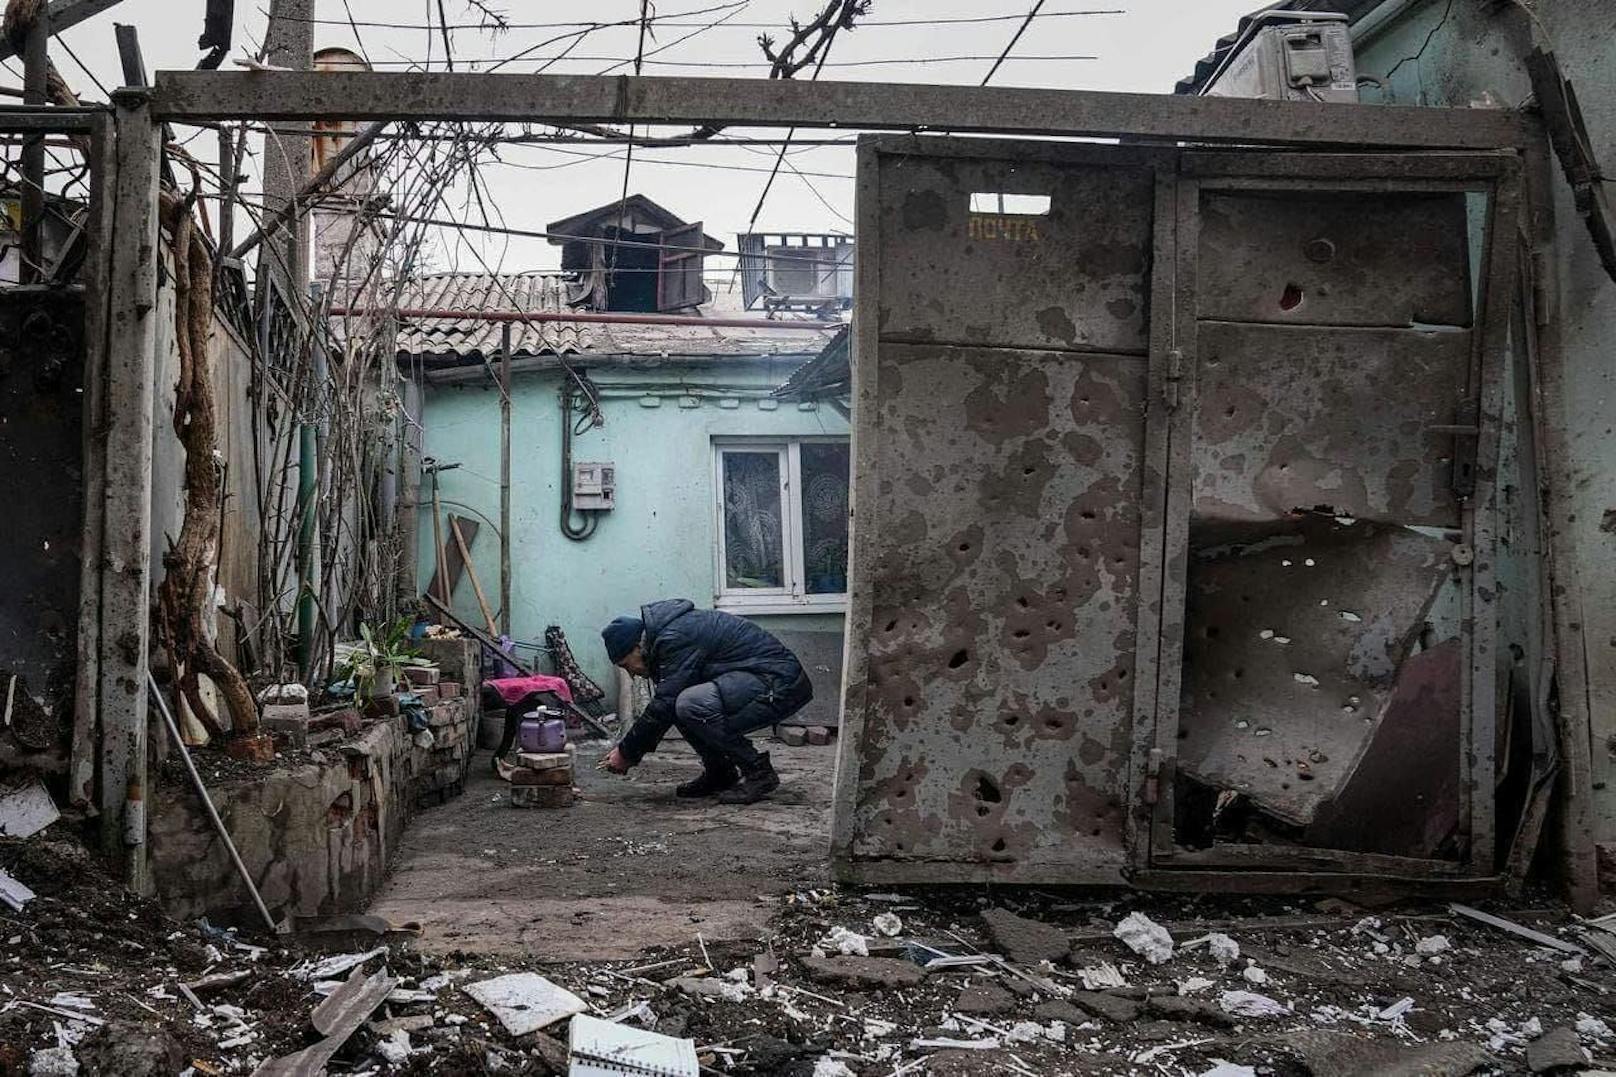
(64, 15)
(295, 95)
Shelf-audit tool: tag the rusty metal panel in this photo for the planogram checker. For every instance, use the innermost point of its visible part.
(1371, 259)
(1003, 588)
(1293, 641)
(1290, 418)
(1074, 277)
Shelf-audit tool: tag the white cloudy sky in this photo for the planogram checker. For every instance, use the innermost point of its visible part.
(1145, 48)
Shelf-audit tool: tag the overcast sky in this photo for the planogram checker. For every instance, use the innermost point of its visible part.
(1146, 48)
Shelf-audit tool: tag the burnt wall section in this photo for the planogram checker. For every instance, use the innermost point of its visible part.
(1000, 441)
(318, 836)
(42, 480)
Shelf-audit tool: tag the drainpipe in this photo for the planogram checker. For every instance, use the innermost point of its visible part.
(505, 480)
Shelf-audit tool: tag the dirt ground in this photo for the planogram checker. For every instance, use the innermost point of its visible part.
(628, 867)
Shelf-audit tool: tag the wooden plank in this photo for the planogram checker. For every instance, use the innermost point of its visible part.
(452, 562)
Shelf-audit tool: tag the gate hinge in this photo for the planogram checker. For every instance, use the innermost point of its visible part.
(1175, 374)
(1153, 765)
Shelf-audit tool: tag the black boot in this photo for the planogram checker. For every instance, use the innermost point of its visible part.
(713, 780)
(758, 780)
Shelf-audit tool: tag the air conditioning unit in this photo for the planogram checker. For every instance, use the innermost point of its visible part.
(594, 486)
(1289, 56)
(796, 270)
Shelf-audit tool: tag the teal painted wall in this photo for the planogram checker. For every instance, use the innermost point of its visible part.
(657, 543)
(1469, 54)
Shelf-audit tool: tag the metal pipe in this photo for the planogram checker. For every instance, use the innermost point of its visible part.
(207, 803)
(584, 317)
(505, 480)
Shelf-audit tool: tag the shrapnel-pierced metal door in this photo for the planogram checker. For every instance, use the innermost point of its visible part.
(1329, 670)
(1173, 535)
(1007, 509)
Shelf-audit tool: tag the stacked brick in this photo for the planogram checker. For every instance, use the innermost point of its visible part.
(542, 780)
(449, 693)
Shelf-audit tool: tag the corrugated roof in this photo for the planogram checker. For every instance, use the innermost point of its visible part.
(446, 341)
(826, 374)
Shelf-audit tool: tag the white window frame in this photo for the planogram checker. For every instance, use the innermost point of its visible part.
(794, 596)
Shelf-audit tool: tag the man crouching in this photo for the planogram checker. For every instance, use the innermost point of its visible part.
(717, 678)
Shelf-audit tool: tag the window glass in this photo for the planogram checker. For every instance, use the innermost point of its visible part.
(825, 468)
(753, 551)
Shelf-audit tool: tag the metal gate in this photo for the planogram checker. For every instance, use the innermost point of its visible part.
(1172, 538)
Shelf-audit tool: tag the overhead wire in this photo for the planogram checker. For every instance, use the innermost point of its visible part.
(1005, 55)
(675, 21)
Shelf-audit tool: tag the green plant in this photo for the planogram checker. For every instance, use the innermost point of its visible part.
(379, 656)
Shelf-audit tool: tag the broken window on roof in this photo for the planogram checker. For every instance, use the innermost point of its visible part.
(783, 523)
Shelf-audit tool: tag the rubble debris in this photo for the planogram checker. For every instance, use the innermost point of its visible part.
(1111, 1007)
(15, 895)
(1337, 1054)
(336, 965)
(984, 1000)
(1146, 938)
(26, 806)
(832, 1067)
(863, 971)
(1188, 1011)
(1557, 1049)
(845, 942)
(1025, 941)
(1224, 950)
(1229, 1069)
(888, 924)
(1101, 976)
(525, 1001)
(1592, 1027)
(603, 1049)
(1432, 945)
(53, 1062)
(1250, 1004)
(1518, 929)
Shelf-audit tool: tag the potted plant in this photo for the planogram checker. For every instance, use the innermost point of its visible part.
(376, 661)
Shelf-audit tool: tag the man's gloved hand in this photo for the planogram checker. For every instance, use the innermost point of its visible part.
(616, 762)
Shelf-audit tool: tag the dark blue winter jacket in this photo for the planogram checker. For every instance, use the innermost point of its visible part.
(684, 646)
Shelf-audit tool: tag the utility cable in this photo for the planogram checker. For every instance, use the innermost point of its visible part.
(1003, 56)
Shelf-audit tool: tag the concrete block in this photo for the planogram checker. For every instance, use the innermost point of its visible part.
(820, 735)
(541, 796)
(558, 776)
(288, 723)
(422, 675)
(793, 735)
(427, 692)
(448, 690)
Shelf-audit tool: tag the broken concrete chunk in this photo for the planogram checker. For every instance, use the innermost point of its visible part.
(1145, 937)
(1557, 1049)
(53, 1062)
(888, 924)
(707, 987)
(13, 893)
(1062, 1011)
(1025, 941)
(1110, 1007)
(863, 972)
(1432, 944)
(1189, 1010)
(984, 1000)
(525, 1001)
(1337, 1054)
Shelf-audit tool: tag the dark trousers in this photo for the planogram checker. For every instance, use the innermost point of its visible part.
(716, 716)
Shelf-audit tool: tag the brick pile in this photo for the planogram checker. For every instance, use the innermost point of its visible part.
(449, 693)
(542, 780)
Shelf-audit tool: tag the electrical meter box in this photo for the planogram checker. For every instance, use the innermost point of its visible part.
(594, 486)
(1290, 56)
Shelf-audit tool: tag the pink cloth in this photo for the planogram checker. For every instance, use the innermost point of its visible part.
(512, 689)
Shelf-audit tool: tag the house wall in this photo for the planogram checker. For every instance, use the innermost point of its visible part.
(659, 542)
(1468, 54)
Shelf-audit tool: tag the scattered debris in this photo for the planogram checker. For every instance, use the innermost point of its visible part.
(1517, 929)
(603, 1049)
(1101, 976)
(1336, 1054)
(845, 942)
(863, 971)
(13, 893)
(525, 1001)
(1025, 941)
(26, 806)
(1432, 944)
(336, 1018)
(1559, 1048)
(1248, 1004)
(1146, 938)
(888, 924)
